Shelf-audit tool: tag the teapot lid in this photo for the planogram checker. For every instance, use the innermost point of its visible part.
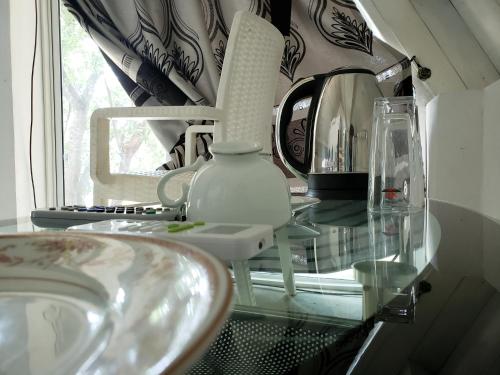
(234, 148)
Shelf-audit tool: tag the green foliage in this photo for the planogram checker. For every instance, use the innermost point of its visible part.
(80, 55)
(88, 84)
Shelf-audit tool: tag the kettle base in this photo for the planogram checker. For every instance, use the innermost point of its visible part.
(340, 186)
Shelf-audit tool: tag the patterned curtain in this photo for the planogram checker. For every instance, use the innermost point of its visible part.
(170, 52)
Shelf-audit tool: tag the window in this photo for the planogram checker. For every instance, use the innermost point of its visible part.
(87, 84)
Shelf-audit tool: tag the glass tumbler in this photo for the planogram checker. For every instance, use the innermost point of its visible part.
(396, 173)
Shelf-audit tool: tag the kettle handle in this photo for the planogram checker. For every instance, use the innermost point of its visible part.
(300, 90)
(160, 190)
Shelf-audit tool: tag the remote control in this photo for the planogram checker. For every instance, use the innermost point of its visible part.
(225, 241)
(67, 216)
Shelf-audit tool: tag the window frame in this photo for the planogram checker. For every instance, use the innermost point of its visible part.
(50, 41)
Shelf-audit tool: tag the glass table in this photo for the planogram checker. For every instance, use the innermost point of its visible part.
(349, 270)
(366, 294)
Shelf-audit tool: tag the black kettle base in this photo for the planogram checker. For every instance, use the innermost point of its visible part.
(341, 186)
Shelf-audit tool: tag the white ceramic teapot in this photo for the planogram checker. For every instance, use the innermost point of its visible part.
(236, 186)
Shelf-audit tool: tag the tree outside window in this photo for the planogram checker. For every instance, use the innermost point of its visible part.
(87, 84)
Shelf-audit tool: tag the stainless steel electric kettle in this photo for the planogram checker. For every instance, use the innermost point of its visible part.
(336, 132)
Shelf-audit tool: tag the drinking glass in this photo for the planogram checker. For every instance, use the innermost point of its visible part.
(389, 274)
(396, 173)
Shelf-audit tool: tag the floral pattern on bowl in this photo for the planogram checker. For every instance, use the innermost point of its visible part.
(78, 302)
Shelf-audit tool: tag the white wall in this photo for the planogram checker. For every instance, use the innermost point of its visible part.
(464, 149)
(483, 19)
(491, 151)
(455, 137)
(7, 164)
(22, 31)
(17, 20)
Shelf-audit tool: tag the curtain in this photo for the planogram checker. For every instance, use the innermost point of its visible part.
(170, 52)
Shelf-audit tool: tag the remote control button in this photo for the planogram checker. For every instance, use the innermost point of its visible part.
(100, 209)
(199, 223)
(110, 210)
(82, 209)
(120, 210)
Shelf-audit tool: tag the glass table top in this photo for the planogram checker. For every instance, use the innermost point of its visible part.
(342, 290)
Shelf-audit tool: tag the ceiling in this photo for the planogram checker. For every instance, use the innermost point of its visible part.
(457, 39)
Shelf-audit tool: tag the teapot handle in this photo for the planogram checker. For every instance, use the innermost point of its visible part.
(160, 190)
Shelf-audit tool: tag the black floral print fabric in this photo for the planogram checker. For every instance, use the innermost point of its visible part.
(171, 52)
